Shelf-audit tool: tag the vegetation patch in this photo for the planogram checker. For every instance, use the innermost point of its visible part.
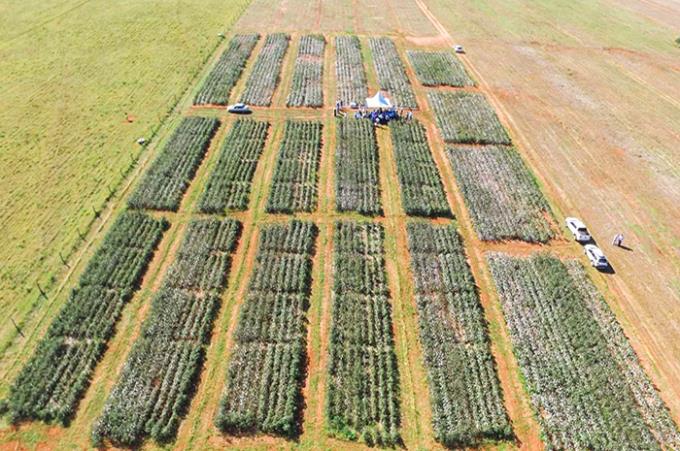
(294, 184)
(422, 192)
(356, 167)
(157, 382)
(466, 396)
(307, 89)
(266, 370)
(466, 117)
(51, 384)
(168, 178)
(500, 193)
(391, 72)
(263, 80)
(222, 78)
(229, 185)
(584, 380)
(438, 69)
(363, 379)
(349, 71)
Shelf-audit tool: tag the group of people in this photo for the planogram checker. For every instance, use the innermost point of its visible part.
(379, 116)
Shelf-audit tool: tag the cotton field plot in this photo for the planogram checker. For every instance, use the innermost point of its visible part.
(356, 168)
(349, 71)
(221, 80)
(265, 77)
(500, 193)
(467, 402)
(391, 72)
(464, 117)
(308, 73)
(584, 379)
(438, 69)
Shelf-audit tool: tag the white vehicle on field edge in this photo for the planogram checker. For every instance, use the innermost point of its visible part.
(239, 108)
(578, 229)
(596, 256)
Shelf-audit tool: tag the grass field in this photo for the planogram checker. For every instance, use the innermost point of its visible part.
(173, 44)
(79, 83)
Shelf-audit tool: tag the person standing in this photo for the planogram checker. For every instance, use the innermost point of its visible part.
(618, 240)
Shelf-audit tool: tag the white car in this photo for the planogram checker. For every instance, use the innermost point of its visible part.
(458, 49)
(239, 108)
(596, 256)
(578, 229)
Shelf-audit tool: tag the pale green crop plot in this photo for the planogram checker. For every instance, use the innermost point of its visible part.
(79, 83)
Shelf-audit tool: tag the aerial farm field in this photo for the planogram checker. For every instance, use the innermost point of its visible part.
(295, 280)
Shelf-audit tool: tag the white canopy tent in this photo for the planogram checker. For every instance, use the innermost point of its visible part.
(378, 101)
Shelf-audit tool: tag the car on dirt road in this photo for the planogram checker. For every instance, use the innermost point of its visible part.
(239, 108)
(596, 256)
(578, 229)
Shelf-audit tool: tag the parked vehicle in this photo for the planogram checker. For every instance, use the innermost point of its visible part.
(239, 108)
(596, 256)
(578, 229)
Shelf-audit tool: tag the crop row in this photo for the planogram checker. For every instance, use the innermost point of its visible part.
(356, 167)
(349, 71)
(467, 117)
(222, 78)
(307, 87)
(156, 384)
(294, 184)
(583, 379)
(230, 182)
(168, 178)
(501, 194)
(266, 371)
(438, 69)
(466, 397)
(266, 71)
(422, 192)
(51, 384)
(363, 379)
(391, 72)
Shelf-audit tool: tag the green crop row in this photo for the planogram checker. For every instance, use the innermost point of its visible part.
(466, 396)
(229, 185)
(266, 370)
(168, 178)
(54, 379)
(157, 382)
